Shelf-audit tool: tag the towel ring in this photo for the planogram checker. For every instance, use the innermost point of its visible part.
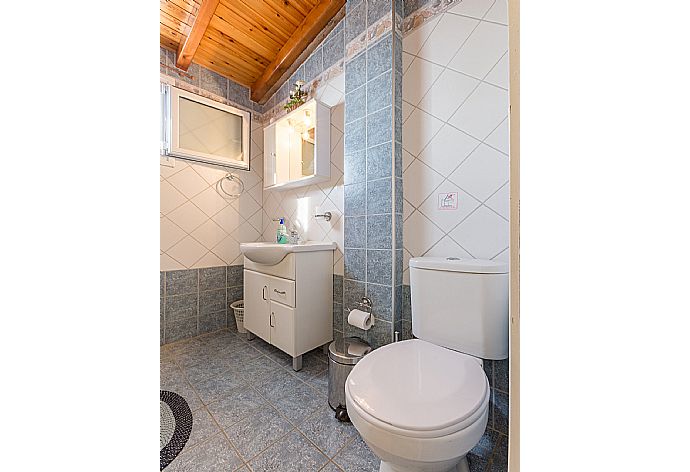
(232, 178)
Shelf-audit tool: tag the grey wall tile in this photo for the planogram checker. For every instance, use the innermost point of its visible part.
(399, 7)
(356, 72)
(180, 307)
(501, 375)
(397, 305)
(499, 461)
(334, 47)
(379, 57)
(398, 195)
(234, 294)
(355, 202)
(212, 322)
(297, 75)
(398, 94)
(338, 317)
(500, 411)
(407, 330)
(337, 288)
(397, 53)
(379, 92)
(355, 21)
(398, 124)
(314, 65)
(399, 231)
(182, 329)
(356, 164)
(238, 93)
(212, 82)
(178, 282)
(355, 135)
(398, 159)
(407, 303)
(379, 265)
(377, 9)
(379, 230)
(381, 300)
(356, 104)
(379, 196)
(212, 277)
(235, 275)
(380, 334)
(410, 6)
(379, 161)
(355, 264)
(212, 301)
(353, 292)
(399, 268)
(355, 231)
(162, 284)
(379, 127)
(350, 331)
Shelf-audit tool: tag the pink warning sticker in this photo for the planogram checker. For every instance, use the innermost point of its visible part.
(448, 201)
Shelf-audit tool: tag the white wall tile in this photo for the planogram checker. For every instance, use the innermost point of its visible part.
(421, 180)
(188, 182)
(171, 198)
(187, 251)
(482, 111)
(171, 234)
(482, 173)
(418, 79)
(209, 201)
(227, 250)
(500, 201)
(188, 217)
(208, 260)
(482, 50)
(500, 74)
(450, 32)
(447, 93)
(483, 234)
(500, 137)
(445, 134)
(448, 219)
(209, 234)
(419, 130)
(498, 12)
(473, 8)
(413, 41)
(168, 263)
(448, 149)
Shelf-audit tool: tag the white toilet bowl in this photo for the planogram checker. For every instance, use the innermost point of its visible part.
(418, 406)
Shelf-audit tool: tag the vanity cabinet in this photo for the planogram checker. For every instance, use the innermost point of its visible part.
(297, 147)
(290, 304)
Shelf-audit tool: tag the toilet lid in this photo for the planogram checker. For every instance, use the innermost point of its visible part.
(416, 385)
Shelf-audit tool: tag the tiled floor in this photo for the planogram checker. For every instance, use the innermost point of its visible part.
(252, 412)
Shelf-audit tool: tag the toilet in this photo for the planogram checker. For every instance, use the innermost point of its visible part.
(422, 404)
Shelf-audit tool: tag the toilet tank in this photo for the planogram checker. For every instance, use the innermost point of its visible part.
(461, 304)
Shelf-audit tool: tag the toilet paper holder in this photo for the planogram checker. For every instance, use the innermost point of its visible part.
(364, 305)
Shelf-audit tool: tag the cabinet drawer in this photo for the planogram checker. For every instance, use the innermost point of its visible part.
(282, 291)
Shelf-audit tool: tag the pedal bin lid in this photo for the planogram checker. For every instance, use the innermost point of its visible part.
(348, 351)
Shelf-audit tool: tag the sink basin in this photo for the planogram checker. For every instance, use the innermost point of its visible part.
(273, 253)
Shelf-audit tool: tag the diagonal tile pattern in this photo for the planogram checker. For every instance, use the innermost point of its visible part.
(455, 133)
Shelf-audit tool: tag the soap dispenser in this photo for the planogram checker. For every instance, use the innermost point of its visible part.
(282, 234)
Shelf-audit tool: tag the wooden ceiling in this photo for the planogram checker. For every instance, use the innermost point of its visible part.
(253, 42)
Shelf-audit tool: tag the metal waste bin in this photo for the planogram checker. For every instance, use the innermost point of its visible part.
(343, 354)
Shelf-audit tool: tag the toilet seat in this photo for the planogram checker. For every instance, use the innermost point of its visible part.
(417, 389)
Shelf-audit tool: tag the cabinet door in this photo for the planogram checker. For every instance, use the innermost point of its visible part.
(270, 155)
(283, 327)
(257, 304)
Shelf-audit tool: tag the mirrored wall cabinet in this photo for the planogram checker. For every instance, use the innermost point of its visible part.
(297, 147)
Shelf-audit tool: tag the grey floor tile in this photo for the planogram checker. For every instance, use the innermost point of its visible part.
(235, 406)
(476, 463)
(258, 432)
(331, 467)
(234, 355)
(320, 382)
(257, 369)
(213, 388)
(298, 404)
(357, 457)
(499, 461)
(486, 445)
(280, 357)
(179, 385)
(213, 455)
(211, 367)
(326, 432)
(311, 366)
(277, 384)
(291, 454)
(203, 427)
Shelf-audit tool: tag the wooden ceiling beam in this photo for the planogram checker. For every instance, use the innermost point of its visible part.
(305, 33)
(190, 43)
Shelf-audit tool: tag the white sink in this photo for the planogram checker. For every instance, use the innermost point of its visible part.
(273, 253)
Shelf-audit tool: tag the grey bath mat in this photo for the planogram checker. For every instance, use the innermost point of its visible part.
(176, 425)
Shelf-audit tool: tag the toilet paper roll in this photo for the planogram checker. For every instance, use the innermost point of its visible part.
(360, 319)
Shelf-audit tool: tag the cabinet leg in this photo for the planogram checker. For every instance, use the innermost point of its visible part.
(250, 336)
(297, 363)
